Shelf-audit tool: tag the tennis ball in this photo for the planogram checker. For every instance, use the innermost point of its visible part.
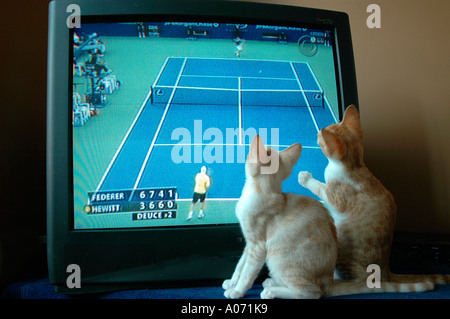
(87, 209)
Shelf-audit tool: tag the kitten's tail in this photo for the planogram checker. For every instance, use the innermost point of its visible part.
(339, 288)
(436, 279)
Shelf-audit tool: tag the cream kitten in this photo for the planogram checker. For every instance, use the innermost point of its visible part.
(363, 210)
(293, 234)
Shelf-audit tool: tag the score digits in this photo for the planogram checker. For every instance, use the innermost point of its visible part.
(145, 204)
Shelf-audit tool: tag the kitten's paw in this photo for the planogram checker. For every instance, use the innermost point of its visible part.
(233, 293)
(304, 177)
(269, 282)
(268, 293)
(228, 283)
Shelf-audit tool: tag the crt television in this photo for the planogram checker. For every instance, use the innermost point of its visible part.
(151, 108)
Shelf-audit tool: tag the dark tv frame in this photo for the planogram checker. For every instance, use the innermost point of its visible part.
(111, 259)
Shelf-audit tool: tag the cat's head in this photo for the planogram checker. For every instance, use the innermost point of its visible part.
(269, 164)
(343, 141)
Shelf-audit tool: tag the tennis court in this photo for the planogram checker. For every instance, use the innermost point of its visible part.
(223, 94)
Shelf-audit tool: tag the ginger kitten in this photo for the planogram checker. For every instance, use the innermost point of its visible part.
(363, 210)
(293, 234)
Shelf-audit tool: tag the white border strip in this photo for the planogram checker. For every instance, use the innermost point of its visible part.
(123, 142)
(304, 95)
(144, 164)
(324, 97)
(129, 130)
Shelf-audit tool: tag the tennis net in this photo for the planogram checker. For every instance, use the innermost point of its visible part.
(233, 97)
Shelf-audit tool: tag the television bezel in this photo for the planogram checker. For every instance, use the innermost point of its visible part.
(112, 259)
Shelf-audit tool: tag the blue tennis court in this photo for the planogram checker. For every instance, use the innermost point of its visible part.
(201, 95)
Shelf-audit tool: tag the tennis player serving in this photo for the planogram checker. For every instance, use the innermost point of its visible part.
(202, 182)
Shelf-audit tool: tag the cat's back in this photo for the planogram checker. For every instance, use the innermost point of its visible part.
(304, 231)
(358, 192)
(303, 205)
(306, 215)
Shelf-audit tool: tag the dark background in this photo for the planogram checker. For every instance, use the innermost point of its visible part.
(402, 83)
(23, 29)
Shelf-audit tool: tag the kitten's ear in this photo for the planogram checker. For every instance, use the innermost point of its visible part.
(292, 154)
(351, 120)
(258, 153)
(334, 148)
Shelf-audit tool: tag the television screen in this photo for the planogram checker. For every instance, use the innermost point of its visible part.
(151, 107)
(163, 113)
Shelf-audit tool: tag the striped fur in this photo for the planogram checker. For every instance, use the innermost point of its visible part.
(364, 211)
(294, 235)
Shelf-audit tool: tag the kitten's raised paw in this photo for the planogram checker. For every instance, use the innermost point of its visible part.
(304, 177)
(233, 293)
(228, 283)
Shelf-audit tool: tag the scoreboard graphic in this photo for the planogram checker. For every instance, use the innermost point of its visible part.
(144, 204)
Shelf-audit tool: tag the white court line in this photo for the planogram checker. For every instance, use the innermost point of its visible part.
(314, 76)
(158, 130)
(331, 111)
(122, 143)
(271, 78)
(161, 71)
(321, 89)
(304, 95)
(111, 163)
(174, 87)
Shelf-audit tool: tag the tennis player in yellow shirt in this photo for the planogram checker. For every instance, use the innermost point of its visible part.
(202, 182)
